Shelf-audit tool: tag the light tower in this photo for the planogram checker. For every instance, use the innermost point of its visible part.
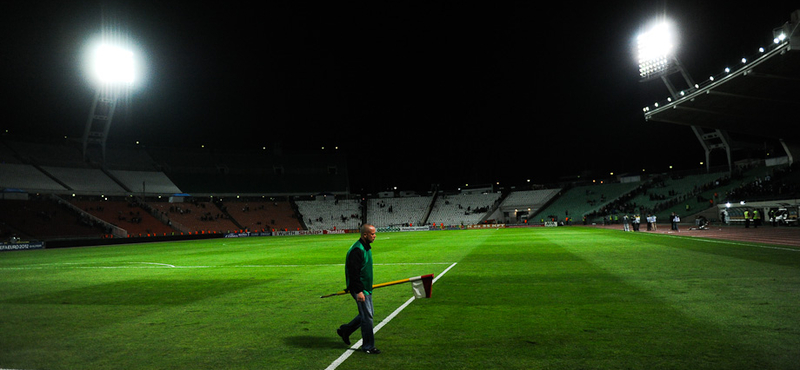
(113, 70)
(656, 49)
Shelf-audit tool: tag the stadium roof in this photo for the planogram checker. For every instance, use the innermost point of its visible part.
(761, 99)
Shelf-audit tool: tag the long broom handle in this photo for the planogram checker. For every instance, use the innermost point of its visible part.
(381, 285)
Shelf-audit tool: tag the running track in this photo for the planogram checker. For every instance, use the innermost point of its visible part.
(765, 234)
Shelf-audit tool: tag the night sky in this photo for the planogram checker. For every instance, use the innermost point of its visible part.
(413, 93)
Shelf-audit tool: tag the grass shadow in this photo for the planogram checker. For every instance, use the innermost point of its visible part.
(141, 292)
(310, 341)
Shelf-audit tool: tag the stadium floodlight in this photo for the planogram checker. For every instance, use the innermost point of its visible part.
(112, 64)
(655, 49)
(657, 58)
(113, 67)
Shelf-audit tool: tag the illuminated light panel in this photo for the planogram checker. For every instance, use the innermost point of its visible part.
(112, 64)
(655, 49)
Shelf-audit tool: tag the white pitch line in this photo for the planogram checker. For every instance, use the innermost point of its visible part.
(383, 323)
(156, 264)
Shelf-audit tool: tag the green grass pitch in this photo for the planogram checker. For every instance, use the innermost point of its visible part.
(538, 298)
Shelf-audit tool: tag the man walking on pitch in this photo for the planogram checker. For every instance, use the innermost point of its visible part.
(358, 275)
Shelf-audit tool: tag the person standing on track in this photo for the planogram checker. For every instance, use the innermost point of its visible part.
(746, 219)
(358, 275)
(675, 220)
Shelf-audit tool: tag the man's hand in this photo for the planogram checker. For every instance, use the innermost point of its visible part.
(360, 297)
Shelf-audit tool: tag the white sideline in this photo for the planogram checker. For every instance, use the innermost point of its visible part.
(155, 265)
(383, 323)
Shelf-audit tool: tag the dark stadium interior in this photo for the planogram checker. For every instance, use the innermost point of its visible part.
(244, 118)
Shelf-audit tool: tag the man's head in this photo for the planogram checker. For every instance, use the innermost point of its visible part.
(368, 233)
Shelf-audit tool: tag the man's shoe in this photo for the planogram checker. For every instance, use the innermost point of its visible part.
(372, 351)
(345, 338)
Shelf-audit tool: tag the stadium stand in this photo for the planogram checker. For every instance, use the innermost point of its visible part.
(42, 217)
(196, 216)
(658, 195)
(686, 195)
(125, 214)
(146, 181)
(264, 215)
(527, 199)
(403, 211)
(585, 199)
(328, 213)
(28, 178)
(56, 168)
(761, 183)
(750, 183)
(462, 209)
(85, 180)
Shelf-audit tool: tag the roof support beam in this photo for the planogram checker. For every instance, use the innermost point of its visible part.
(716, 139)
